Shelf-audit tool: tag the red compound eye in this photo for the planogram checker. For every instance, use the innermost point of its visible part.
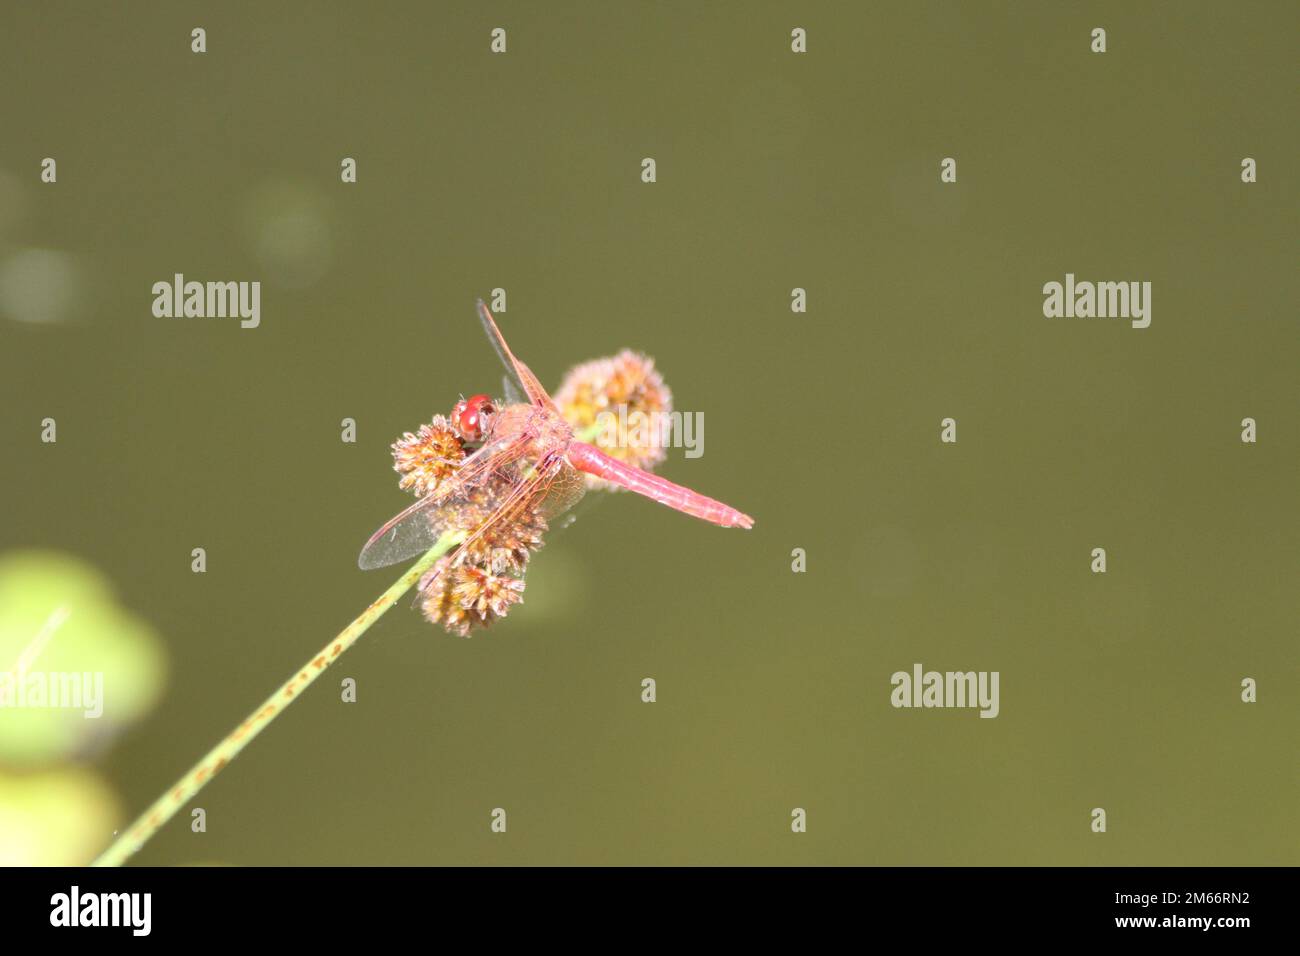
(472, 416)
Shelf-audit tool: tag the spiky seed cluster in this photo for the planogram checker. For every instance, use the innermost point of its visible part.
(427, 458)
(506, 545)
(627, 380)
(483, 593)
(464, 596)
(487, 576)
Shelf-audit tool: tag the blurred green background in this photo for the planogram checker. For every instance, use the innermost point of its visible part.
(775, 171)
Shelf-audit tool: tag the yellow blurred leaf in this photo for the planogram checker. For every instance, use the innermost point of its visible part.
(75, 666)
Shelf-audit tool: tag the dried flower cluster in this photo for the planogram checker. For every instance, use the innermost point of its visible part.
(480, 582)
(486, 576)
(620, 388)
(427, 458)
(467, 596)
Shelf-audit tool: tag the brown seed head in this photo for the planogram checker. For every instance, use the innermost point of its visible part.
(478, 583)
(426, 459)
(507, 543)
(464, 597)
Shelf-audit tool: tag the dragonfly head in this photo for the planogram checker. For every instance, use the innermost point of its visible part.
(472, 417)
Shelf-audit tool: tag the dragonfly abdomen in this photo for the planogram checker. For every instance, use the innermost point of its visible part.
(593, 461)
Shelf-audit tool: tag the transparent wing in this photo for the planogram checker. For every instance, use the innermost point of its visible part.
(523, 376)
(581, 510)
(547, 493)
(488, 494)
(412, 532)
(416, 529)
(512, 390)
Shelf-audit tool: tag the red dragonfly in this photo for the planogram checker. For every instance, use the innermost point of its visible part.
(527, 461)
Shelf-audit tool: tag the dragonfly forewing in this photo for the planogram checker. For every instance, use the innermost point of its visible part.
(495, 487)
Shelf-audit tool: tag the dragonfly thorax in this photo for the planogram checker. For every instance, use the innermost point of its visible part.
(534, 430)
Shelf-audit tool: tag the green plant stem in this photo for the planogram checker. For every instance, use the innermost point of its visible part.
(198, 776)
